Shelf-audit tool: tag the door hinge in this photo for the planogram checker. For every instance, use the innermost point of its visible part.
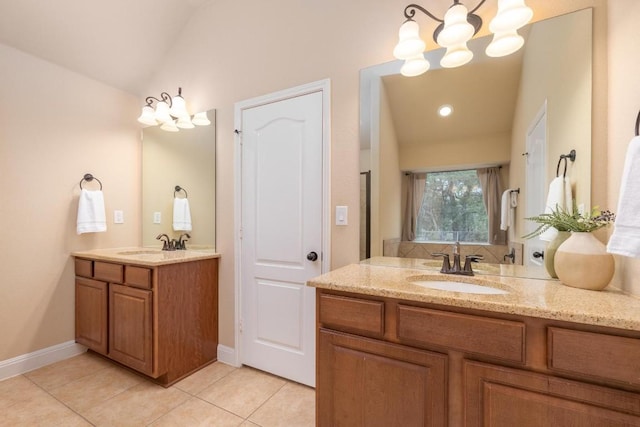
(240, 234)
(240, 325)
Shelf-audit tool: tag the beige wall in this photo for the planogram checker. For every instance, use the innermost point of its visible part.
(230, 51)
(478, 151)
(55, 126)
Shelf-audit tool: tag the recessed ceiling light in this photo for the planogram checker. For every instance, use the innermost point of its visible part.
(445, 110)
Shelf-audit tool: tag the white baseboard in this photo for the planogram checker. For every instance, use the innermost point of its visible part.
(46, 356)
(227, 355)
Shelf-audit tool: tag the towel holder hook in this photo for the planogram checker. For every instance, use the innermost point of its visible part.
(88, 177)
(177, 189)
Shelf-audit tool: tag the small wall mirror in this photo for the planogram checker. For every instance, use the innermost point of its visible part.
(186, 159)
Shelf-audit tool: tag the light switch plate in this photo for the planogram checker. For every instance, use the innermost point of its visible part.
(342, 215)
(118, 217)
(157, 217)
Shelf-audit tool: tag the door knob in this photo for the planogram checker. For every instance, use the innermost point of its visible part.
(312, 256)
(537, 254)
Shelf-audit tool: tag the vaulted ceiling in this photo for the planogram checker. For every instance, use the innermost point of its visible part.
(117, 42)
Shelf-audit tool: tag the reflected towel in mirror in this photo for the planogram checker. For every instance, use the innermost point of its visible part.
(91, 213)
(508, 203)
(181, 215)
(560, 197)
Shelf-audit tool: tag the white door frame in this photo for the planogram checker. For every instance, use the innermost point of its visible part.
(541, 114)
(323, 86)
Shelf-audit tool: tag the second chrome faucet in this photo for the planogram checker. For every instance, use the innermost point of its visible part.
(447, 268)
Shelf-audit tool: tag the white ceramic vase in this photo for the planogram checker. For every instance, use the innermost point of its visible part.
(582, 261)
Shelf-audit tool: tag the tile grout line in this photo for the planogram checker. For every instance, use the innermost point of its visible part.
(60, 401)
(265, 402)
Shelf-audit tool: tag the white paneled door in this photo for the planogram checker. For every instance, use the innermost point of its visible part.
(281, 234)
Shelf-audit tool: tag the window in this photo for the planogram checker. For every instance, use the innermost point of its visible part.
(452, 209)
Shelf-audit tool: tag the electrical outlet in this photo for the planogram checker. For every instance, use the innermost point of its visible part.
(157, 217)
(118, 217)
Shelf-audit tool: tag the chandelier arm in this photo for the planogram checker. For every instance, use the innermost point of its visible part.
(477, 7)
(164, 96)
(410, 12)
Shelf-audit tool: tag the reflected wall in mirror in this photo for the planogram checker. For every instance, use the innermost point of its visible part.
(186, 158)
(495, 102)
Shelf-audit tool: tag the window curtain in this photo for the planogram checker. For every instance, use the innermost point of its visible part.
(414, 187)
(492, 193)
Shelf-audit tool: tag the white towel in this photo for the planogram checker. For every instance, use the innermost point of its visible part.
(91, 214)
(559, 197)
(508, 202)
(181, 215)
(625, 239)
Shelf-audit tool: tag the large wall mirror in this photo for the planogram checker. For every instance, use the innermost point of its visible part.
(496, 102)
(186, 159)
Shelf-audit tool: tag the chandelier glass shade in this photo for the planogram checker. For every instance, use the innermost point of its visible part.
(170, 113)
(454, 31)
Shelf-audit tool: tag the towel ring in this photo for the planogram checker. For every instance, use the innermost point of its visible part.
(638, 124)
(88, 177)
(571, 156)
(177, 189)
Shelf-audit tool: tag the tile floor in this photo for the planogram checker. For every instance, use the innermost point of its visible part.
(87, 390)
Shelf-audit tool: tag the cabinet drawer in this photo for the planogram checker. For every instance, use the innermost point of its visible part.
(594, 355)
(501, 339)
(84, 267)
(137, 276)
(352, 314)
(107, 271)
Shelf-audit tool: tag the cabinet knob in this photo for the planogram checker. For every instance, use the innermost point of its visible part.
(312, 256)
(537, 254)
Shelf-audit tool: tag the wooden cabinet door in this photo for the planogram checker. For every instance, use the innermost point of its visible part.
(91, 314)
(130, 327)
(504, 397)
(365, 382)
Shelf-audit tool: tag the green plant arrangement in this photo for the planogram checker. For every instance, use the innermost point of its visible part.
(563, 220)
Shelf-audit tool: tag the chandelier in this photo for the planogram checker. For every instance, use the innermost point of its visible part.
(171, 113)
(457, 27)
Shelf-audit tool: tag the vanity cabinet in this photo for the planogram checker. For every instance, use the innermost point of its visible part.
(384, 361)
(161, 321)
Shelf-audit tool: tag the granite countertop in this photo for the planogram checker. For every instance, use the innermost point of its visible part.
(548, 299)
(150, 257)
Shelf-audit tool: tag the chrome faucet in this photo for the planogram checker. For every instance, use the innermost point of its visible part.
(447, 268)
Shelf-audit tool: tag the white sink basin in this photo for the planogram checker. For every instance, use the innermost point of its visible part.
(140, 252)
(463, 287)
